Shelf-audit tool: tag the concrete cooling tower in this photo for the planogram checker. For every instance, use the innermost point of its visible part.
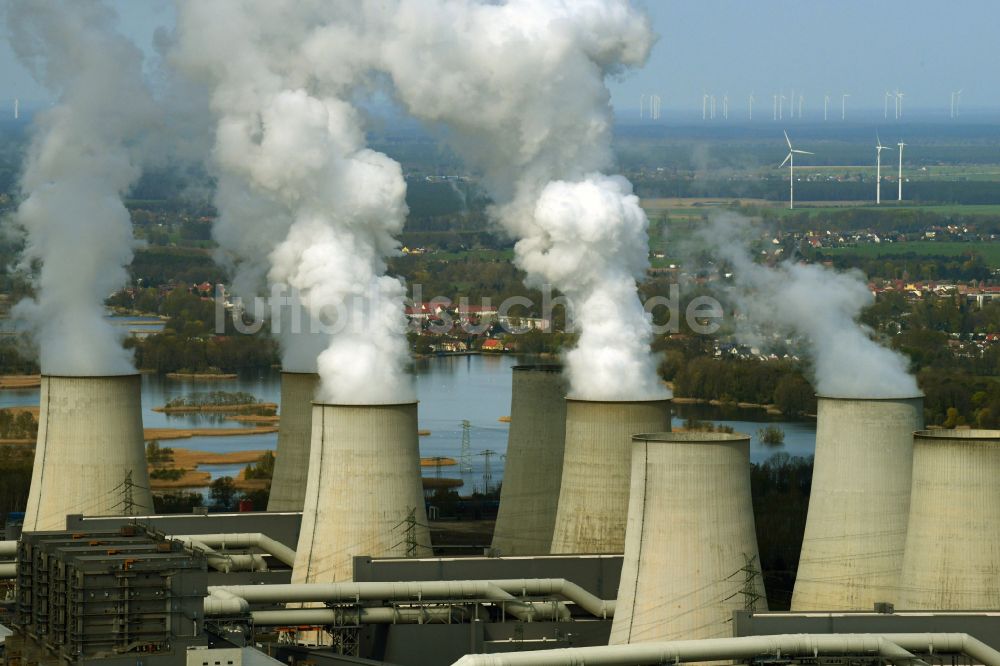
(364, 494)
(90, 456)
(690, 547)
(852, 550)
(291, 464)
(533, 471)
(593, 495)
(953, 540)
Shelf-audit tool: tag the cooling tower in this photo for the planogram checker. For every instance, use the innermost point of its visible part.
(291, 464)
(852, 550)
(533, 470)
(363, 495)
(593, 494)
(953, 540)
(690, 547)
(90, 456)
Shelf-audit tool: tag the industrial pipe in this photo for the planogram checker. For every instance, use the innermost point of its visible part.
(8, 569)
(238, 597)
(333, 616)
(895, 648)
(276, 549)
(224, 562)
(8, 548)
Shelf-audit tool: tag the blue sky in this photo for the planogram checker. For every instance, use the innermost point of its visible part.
(926, 48)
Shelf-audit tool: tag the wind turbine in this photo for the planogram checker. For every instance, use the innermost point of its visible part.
(958, 101)
(781, 106)
(642, 104)
(878, 168)
(790, 160)
(900, 144)
(843, 106)
(17, 108)
(712, 107)
(704, 105)
(725, 106)
(899, 105)
(885, 104)
(826, 103)
(775, 107)
(750, 105)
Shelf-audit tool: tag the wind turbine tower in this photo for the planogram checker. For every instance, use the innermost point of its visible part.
(781, 106)
(900, 144)
(790, 160)
(704, 106)
(712, 107)
(750, 105)
(826, 104)
(775, 108)
(843, 106)
(899, 105)
(725, 106)
(878, 168)
(885, 105)
(17, 108)
(642, 105)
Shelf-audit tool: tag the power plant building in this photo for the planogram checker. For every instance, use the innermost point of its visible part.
(533, 470)
(90, 456)
(593, 496)
(852, 550)
(691, 548)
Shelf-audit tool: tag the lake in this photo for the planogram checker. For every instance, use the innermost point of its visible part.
(451, 389)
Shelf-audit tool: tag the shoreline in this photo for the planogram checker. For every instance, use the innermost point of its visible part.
(191, 409)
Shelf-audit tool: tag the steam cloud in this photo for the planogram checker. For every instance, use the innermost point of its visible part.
(302, 200)
(79, 163)
(519, 88)
(821, 306)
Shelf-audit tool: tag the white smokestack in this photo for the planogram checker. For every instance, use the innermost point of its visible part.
(949, 561)
(533, 471)
(852, 549)
(690, 545)
(79, 164)
(291, 463)
(593, 495)
(89, 456)
(364, 494)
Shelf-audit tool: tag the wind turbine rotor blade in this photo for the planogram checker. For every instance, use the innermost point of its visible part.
(787, 140)
(787, 157)
(803, 152)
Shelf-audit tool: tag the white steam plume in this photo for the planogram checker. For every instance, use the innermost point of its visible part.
(302, 201)
(519, 88)
(821, 306)
(79, 163)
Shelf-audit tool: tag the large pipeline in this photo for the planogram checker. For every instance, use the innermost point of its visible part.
(894, 648)
(236, 599)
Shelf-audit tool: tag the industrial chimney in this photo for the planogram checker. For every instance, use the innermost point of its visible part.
(852, 550)
(533, 470)
(593, 494)
(950, 557)
(291, 464)
(690, 546)
(363, 495)
(89, 456)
